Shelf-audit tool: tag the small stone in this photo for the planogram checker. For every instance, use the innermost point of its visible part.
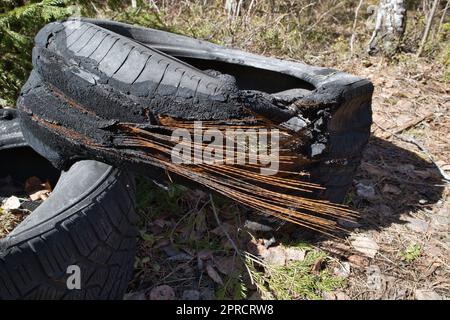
(256, 226)
(365, 191)
(275, 256)
(295, 254)
(295, 124)
(417, 225)
(427, 295)
(191, 295)
(268, 242)
(317, 149)
(441, 220)
(163, 292)
(328, 296)
(423, 201)
(365, 245)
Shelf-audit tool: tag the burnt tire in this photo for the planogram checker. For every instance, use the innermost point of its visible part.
(349, 128)
(123, 73)
(88, 221)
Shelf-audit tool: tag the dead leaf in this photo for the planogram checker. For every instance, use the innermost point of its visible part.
(257, 247)
(328, 296)
(163, 292)
(427, 295)
(365, 245)
(358, 261)
(224, 227)
(225, 265)
(389, 188)
(343, 269)
(212, 273)
(317, 266)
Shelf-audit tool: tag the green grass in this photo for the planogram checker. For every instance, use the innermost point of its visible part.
(412, 253)
(295, 280)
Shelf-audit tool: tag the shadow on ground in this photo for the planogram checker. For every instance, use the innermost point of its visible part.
(392, 181)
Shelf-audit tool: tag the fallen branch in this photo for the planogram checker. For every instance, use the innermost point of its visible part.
(408, 125)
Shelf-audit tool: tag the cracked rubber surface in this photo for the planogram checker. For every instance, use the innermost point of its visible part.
(89, 221)
(124, 73)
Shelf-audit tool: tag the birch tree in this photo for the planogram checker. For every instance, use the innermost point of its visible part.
(389, 21)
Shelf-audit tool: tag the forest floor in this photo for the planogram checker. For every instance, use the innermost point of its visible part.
(196, 247)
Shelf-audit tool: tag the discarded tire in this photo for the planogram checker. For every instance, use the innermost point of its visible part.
(350, 97)
(87, 222)
(92, 75)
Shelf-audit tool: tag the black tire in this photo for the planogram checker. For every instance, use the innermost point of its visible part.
(89, 221)
(349, 128)
(113, 70)
(348, 96)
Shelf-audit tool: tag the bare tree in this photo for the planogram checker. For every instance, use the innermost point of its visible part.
(389, 19)
(428, 27)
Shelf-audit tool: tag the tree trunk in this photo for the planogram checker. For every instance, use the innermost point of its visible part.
(428, 27)
(389, 26)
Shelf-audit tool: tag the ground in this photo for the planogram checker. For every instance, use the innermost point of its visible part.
(197, 247)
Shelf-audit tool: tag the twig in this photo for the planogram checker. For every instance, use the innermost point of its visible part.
(233, 244)
(408, 125)
(428, 27)
(340, 4)
(421, 148)
(221, 226)
(352, 40)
